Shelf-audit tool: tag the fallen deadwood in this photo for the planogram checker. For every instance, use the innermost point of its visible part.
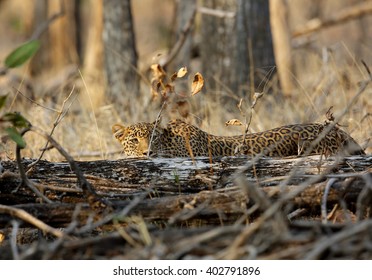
(126, 178)
(186, 202)
(211, 207)
(174, 188)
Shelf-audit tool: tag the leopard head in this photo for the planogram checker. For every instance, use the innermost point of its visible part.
(135, 139)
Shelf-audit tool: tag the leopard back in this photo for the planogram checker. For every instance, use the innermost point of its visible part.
(180, 139)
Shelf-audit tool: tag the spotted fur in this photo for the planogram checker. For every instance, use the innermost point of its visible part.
(180, 139)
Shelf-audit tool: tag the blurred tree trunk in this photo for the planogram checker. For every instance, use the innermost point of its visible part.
(120, 53)
(255, 60)
(217, 45)
(184, 11)
(93, 46)
(233, 48)
(282, 44)
(40, 59)
(59, 43)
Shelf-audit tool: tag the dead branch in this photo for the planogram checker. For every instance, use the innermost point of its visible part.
(23, 215)
(346, 14)
(178, 45)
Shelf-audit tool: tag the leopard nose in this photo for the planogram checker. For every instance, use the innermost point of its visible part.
(145, 153)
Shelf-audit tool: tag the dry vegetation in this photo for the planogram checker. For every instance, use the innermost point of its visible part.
(74, 102)
(324, 77)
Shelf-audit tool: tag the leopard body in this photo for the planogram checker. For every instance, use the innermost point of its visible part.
(180, 139)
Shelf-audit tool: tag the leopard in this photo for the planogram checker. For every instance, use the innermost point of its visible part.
(181, 139)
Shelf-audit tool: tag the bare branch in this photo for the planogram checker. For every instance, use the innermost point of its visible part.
(24, 216)
(344, 15)
(178, 45)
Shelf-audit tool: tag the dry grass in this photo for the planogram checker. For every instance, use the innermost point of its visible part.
(85, 131)
(322, 79)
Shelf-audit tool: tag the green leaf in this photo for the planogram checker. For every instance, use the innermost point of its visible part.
(3, 100)
(16, 137)
(21, 54)
(16, 119)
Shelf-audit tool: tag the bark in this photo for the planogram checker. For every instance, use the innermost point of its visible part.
(236, 46)
(120, 54)
(93, 54)
(175, 209)
(218, 44)
(282, 44)
(60, 42)
(184, 12)
(254, 46)
(174, 188)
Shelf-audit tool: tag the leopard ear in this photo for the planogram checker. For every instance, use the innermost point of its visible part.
(157, 122)
(119, 131)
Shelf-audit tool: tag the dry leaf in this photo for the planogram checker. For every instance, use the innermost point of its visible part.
(179, 74)
(182, 72)
(158, 72)
(174, 76)
(256, 96)
(235, 122)
(155, 88)
(168, 89)
(240, 104)
(197, 84)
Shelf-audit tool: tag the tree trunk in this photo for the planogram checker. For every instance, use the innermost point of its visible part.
(184, 11)
(218, 44)
(93, 47)
(282, 44)
(120, 54)
(237, 50)
(60, 42)
(130, 178)
(254, 46)
(179, 202)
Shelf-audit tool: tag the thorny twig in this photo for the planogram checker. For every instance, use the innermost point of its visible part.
(13, 239)
(327, 242)
(178, 45)
(24, 216)
(61, 114)
(239, 240)
(157, 121)
(25, 179)
(87, 188)
(325, 198)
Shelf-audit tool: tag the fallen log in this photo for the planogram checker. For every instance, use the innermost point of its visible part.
(179, 189)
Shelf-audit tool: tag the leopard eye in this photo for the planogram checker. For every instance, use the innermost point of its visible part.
(135, 141)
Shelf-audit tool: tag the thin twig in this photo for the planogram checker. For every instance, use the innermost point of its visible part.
(178, 45)
(24, 216)
(35, 102)
(61, 114)
(325, 198)
(94, 113)
(158, 117)
(116, 215)
(44, 26)
(83, 183)
(13, 239)
(22, 172)
(216, 13)
(327, 242)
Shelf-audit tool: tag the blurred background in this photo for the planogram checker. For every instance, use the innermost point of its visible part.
(93, 68)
